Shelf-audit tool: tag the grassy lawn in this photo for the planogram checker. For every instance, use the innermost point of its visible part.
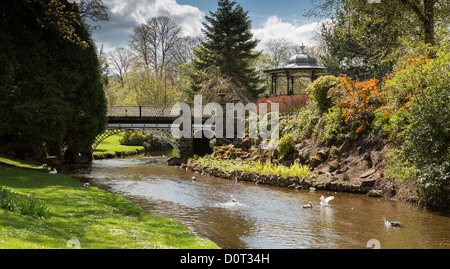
(111, 145)
(96, 218)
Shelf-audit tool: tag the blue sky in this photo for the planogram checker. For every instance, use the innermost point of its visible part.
(272, 19)
(260, 10)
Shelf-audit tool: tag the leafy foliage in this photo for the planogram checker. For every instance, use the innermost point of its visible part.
(319, 91)
(148, 141)
(423, 87)
(389, 125)
(51, 87)
(300, 124)
(25, 204)
(286, 144)
(398, 168)
(331, 129)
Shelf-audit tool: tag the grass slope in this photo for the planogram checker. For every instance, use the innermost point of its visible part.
(96, 218)
(111, 145)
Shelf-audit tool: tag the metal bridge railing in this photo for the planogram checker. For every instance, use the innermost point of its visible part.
(149, 112)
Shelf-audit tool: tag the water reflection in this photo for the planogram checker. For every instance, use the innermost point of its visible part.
(264, 217)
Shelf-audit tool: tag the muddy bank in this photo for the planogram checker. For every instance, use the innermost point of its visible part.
(355, 167)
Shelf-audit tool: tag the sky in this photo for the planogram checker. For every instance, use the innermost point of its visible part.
(271, 19)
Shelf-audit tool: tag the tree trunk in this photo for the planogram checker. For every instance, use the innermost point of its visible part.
(428, 22)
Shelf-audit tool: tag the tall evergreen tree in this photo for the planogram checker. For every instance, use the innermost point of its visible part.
(50, 87)
(229, 46)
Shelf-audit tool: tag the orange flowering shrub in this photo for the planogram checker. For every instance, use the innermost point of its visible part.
(358, 101)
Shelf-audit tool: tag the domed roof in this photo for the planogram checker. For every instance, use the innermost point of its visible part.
(302, 59)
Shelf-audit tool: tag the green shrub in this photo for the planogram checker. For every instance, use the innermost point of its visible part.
(434, 186)
(24, 204)
(422, 85)
(148, 141)
(398, 168)
(319, 91)
(286, 144)
(390, 126)
(427, 138)
(133, 138)
(331, 129)
(300, 124)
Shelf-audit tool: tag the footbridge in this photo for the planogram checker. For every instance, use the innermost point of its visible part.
(158, 120)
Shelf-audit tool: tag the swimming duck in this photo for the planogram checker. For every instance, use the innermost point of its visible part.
(391, 223)
(194, 178)
(233, 200)
(86, 185)
(324, 201)
(308, 205)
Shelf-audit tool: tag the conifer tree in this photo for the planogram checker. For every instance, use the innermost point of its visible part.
(229, 46)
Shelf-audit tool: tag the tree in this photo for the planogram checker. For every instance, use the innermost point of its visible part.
(363, 40)
(427, 15)
(366, 39)
(51, 86)
(279, 51)
(154, 42)
(228, 46)
(63, 16)
(120, 62)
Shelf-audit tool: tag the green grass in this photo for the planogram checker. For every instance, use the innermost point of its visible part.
(301, 171)
(96, 218)
(22, 163)
(295, 170)
(111, 145)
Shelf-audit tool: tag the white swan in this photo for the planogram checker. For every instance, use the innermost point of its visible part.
(53, 171)
(324, 201)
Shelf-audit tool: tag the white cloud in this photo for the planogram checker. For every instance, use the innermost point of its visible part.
(125, 15)
(275, 28)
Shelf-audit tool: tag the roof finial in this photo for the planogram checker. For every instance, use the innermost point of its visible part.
(302, 48)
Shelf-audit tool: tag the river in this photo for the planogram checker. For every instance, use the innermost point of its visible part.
(265, 216)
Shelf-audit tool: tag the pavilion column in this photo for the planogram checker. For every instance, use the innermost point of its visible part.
(274, 84)
(313, 75)
(287, 83)
(292, 85)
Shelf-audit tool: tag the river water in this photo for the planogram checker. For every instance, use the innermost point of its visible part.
(265, 216)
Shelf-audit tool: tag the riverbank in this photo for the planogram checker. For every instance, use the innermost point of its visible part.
(354, 168)
(94, 218)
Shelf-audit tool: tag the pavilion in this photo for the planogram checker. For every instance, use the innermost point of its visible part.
(299, 65)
